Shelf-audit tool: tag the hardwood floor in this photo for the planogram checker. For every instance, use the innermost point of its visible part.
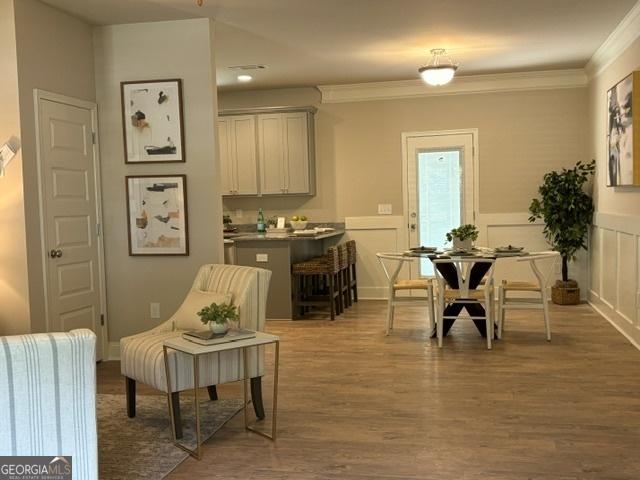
(355, 404)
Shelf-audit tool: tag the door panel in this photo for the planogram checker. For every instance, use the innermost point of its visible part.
(244, 154)
(70, 217)
(296, 153)
(271, 154)
(227, 183)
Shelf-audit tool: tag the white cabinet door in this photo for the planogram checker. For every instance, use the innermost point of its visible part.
(244, 154)
(271, 154)
(296, 153)
(227, 181)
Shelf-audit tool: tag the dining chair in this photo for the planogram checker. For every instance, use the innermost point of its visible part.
(463, 294)
(398, 260)
(540, 302)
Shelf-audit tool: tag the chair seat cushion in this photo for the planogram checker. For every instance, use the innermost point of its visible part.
(452, 294)
(186, 318)
(520, 286)
(142, 359)
(412, 284)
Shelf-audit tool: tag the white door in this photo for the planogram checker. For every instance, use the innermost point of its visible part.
(296, 143)
(440, 188)
(70, 217)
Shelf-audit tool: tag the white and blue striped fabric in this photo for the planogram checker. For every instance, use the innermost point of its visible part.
(48, 398)
(141, 355)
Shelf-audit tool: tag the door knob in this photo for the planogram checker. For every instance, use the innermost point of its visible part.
(55, 253)
(413, 226)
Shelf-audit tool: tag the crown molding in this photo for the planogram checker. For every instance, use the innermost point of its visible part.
(502, 82)
(627, 31)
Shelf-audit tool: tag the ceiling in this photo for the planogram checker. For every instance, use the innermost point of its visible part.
(316, 42)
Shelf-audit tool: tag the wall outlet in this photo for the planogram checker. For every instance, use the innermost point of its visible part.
(154, 310)
(262, 257)
(384, 209)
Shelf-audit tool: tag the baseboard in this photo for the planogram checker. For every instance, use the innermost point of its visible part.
(114, 351)
(601, 308)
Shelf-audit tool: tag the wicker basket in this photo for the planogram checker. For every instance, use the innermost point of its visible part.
(565, 293)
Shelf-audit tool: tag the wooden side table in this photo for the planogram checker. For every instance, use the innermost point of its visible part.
(196, 351)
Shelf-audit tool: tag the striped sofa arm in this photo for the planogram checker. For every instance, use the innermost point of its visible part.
(48, 398)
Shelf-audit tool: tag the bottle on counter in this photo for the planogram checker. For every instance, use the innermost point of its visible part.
(262, 226)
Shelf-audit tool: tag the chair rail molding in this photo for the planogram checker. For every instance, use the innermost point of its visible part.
(627, 31)
(501, 82)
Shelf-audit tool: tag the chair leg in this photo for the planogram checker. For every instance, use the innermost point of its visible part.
(256, 396)
(440, 321)
(431, 309)
(213, 393)
(390, 311)
(501, 310)
(545, 310)
(175, 401)
(489, 320)
(130, 390)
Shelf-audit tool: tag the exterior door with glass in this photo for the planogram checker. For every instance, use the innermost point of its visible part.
(440, 188)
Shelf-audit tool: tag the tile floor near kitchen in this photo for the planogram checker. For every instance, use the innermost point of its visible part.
(355, 404)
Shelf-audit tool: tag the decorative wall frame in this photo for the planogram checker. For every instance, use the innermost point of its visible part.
(152, 121)
(623, 140)
(157, 215)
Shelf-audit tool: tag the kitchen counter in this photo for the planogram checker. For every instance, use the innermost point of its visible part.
(250, 237)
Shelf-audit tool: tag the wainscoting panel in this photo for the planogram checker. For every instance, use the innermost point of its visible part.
(614, 265)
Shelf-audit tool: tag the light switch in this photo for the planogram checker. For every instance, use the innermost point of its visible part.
(384, 209)
(262, 257)
(154, 310)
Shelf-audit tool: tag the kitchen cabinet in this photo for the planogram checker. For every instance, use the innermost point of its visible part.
(238, 159)
(282, 151)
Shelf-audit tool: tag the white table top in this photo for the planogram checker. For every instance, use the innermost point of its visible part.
(192, 348)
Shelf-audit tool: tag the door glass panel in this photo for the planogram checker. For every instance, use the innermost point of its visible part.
(439, 199)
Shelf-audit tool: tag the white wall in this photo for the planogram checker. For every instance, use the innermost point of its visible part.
(178, 49)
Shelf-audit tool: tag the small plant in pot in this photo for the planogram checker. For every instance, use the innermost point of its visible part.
(567, 210)
(218, 316)
(463, 237)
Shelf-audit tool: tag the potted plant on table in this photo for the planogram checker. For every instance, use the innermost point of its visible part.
(218, 316)
(463, 237)
(567, 210)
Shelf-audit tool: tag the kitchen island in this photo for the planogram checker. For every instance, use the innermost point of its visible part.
(278, 254)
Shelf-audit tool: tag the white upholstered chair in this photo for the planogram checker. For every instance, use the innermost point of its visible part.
(141, 355)
(48, 398)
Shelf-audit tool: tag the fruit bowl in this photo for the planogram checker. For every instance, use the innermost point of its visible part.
(299, 224)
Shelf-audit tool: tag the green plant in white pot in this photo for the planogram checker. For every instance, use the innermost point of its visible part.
(463, 236)
(217, 317)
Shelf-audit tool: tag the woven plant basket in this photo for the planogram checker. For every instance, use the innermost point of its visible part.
(565, 293)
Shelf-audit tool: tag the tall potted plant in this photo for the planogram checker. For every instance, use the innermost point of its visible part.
(566, 208)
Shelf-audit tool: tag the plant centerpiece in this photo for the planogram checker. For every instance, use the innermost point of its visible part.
(567, 210)
(218, 316)
(463, 236)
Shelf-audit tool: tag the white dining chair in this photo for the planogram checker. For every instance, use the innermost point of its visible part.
(398, 260)
(539, 302)
(464, 294)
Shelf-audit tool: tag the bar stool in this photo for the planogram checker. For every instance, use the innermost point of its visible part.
(352, 278)
(328, 269)
(345, 289)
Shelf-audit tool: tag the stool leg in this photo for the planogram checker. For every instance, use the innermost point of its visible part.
(332, 299)
(355, 283)
(294, 288)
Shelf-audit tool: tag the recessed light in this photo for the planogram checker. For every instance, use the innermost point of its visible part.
(244, 78)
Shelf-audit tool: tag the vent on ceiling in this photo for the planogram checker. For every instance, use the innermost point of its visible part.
(248, 67)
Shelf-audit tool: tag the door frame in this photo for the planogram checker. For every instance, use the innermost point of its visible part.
(39, 95)
(405, 170)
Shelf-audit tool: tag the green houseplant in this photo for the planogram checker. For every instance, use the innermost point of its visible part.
(566, 208)
(218, 316)
(463, 236)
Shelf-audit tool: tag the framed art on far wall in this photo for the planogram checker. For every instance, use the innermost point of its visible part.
(152, 121)
(157, 215)
(623, 140)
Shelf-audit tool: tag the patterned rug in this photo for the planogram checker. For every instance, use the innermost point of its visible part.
(142, 447)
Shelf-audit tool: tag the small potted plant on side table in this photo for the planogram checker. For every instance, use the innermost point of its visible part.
(567, 210)
(463, 236)
(217, 317)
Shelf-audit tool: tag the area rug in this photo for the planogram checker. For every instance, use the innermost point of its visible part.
(142, 447)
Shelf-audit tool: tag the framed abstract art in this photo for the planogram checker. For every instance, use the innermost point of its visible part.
(152, 120)
(623, 132)
(157, 215)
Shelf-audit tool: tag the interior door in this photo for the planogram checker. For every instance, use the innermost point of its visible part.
(70, 211)
(440, 189)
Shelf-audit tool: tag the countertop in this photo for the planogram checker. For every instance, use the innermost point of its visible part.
(252, 237)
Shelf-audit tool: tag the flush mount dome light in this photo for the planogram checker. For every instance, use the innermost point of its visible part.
(436, 73)
(245, 78)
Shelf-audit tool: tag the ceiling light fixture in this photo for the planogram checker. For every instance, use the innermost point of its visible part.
(245, 78)
(199, 2)
(436, 73)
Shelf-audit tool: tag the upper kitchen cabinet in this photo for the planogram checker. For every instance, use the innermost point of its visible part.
(284, 141)
(238, 160)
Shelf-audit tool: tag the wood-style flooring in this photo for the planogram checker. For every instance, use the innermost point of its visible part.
(355, 404)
